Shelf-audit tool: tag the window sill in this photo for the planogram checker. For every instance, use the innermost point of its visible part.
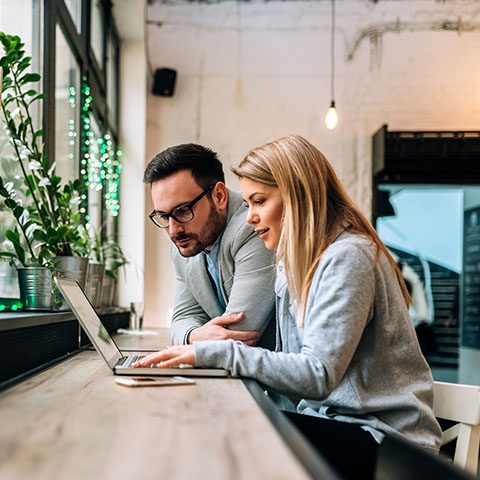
(15, 320)
(33, 341)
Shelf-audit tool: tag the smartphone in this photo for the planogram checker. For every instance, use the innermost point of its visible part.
(153, 381)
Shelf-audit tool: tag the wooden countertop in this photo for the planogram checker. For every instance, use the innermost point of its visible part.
(73, 421)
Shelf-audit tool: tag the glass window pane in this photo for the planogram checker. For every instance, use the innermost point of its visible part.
(97, 31)
(30, 32)
(10, 15)
(12, 178)
(95, 175)
(112, 82)
(427, 229)
(75, 9)
(67, 109)
(113, 167)
(28, 29)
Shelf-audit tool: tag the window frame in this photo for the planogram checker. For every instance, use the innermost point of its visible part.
(56, 13)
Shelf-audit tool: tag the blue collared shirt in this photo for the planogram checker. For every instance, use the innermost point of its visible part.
(213, 270)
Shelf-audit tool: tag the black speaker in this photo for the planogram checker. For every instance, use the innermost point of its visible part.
(164, 82)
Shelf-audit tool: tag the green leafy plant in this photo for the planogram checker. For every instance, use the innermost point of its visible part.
(106, 251)
(22, 236)
(50, 224)
(114, 258)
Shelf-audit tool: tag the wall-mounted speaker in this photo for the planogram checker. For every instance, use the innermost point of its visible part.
(164, 82)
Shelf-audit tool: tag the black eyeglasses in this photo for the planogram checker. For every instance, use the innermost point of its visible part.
(181, 214)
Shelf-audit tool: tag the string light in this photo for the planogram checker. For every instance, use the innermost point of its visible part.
(113, 167)
(11, 304)
(101, 163)
(72, 133)
(85, 124)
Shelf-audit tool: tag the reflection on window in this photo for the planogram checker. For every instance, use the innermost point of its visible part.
(425, 229)
(67, 108)
(96, 31)
(112, 177)
(11, 175)
(75, 9)
(95, 174)
(111, 82)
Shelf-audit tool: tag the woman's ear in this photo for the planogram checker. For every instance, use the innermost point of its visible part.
(220, 196)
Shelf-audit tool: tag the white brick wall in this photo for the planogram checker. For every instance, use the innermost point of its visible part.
(254, 71)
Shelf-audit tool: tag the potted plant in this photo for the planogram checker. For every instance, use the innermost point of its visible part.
(96, 266)
(49, 227)
(31, 259)
(114, 260)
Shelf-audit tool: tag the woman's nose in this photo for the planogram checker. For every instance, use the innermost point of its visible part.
(252, 217)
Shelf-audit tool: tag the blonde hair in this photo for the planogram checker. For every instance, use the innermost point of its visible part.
(315, 207)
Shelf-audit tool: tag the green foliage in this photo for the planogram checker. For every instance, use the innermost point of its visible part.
(105, 250)
(114, 258)
(50, 224)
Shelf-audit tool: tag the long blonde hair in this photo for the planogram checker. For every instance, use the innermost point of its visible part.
(315, 207)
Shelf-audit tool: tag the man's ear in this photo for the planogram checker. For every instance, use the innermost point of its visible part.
(220, 195)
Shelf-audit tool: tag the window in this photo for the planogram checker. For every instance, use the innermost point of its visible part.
(28, 29)
(112, 77)
(112, 177)
(67, 109)
(68, 55)
(427, 229)
(75, 10)
(95, 174)
(97, 31)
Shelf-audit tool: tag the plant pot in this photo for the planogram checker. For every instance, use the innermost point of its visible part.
(108, 291)
(72, 268)
(93, 284)
(35, 288)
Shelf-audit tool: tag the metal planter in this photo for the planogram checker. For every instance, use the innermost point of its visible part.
(108, 291)
(93, 285)
(73, 268)
(35, 288)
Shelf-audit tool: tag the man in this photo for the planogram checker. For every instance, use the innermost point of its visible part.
(224, 275)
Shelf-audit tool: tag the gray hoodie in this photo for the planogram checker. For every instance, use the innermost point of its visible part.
(355, 360)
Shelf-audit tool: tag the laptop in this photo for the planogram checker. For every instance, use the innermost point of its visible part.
(107, 348)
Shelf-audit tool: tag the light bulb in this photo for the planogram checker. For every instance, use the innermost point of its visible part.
(331, 118)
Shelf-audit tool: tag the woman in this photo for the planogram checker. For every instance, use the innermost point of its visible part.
(347, 362)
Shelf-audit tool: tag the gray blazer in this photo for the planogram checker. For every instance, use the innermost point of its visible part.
(247, 277)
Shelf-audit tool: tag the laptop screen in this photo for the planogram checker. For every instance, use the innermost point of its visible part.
(89, 320)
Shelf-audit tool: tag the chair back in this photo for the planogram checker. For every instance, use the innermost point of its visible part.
(461, 404)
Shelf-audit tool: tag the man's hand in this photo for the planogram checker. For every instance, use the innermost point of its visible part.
(215, 330)
(169, 357)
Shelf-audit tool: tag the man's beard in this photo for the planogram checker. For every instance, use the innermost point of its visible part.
(198, 243)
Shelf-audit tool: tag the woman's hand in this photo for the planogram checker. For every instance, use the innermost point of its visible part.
(170, 357)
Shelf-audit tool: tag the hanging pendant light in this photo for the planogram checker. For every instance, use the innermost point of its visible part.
(331, 118)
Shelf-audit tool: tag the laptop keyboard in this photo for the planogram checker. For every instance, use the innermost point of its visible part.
(126, 362)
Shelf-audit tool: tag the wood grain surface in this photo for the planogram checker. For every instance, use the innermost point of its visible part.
(74, 422)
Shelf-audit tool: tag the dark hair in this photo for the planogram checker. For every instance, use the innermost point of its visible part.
(204, 164)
